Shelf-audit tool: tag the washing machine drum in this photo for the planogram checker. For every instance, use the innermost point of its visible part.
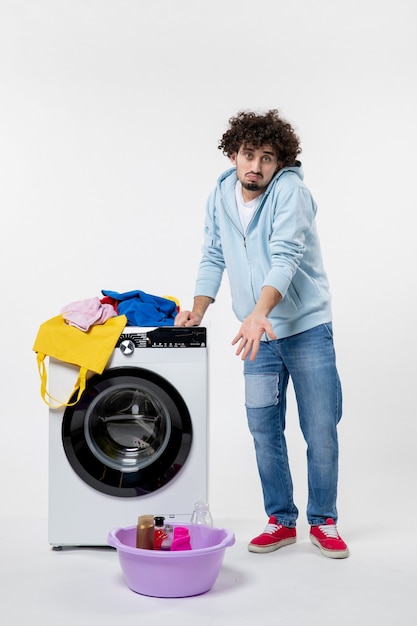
(130, 433)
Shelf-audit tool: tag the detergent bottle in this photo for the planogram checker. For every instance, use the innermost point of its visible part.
(181, 540)
(145, 532)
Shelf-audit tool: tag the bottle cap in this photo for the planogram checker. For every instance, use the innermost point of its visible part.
(144, 521)
(201, 505)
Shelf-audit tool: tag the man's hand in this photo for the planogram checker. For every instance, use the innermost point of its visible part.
(257, 323)
(194, 317)
(187, 318)
(250, 334)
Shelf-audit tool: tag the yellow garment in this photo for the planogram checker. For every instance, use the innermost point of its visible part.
(89, 350)
(174, 299)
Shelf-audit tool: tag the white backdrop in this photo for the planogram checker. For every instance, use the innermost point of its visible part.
(111, 111)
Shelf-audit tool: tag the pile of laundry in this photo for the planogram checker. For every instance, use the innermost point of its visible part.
(140, 309)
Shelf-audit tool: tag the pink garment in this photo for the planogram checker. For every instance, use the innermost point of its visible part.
(85, 313)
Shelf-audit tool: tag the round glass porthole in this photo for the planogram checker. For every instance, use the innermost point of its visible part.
(130, 433)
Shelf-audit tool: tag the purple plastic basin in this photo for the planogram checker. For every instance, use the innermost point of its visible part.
(166, 574)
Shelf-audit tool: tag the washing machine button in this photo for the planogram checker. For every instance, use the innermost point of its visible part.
(127, 347)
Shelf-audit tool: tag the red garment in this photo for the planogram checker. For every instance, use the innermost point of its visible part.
(112, 301)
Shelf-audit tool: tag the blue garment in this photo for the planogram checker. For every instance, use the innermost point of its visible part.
(309, 359)
(280, 248)
(143, 309)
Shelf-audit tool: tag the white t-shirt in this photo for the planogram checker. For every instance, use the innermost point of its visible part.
(246, 209)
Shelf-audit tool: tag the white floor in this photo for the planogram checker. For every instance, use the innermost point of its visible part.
(376, 586)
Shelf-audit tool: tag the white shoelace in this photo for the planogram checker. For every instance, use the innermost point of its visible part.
(329, 530)
(272, 528)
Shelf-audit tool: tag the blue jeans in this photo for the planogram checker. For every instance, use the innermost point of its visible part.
(309, 359)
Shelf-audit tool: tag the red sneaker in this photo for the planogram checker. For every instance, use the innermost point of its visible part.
(328, 540)
(274, 536)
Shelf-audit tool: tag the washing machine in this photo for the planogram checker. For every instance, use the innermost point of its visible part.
(137, 440)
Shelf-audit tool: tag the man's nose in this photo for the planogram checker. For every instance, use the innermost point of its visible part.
(256, 164)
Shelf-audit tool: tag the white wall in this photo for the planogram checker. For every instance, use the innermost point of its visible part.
(111, 111)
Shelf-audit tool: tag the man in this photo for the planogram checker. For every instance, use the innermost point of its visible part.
(260, 226)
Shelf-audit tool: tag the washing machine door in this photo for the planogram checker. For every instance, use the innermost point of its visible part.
(130, 433)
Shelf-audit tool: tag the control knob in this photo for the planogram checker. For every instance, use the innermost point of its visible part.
(127, 347)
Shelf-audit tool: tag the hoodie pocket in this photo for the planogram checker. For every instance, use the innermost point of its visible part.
(291, 298)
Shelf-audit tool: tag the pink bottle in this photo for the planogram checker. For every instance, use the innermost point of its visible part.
(181, 540)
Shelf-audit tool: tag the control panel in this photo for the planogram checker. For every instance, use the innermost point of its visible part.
(162, 337)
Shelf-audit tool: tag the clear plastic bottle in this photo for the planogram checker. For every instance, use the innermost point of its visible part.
(201, 514)
(167, 541)
(159, 532)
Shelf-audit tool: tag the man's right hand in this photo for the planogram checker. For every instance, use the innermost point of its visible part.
(187, 318)
(194, 317)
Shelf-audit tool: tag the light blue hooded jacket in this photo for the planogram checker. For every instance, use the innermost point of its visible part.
(281, 248)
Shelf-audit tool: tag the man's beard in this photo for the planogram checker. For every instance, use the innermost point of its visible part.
(252, 186)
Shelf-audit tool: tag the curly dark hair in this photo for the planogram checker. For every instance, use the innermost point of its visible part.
(255, 130)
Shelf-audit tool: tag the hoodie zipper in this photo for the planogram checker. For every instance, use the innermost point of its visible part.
(243, 235)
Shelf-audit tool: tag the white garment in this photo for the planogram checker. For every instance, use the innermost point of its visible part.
(245, 209)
